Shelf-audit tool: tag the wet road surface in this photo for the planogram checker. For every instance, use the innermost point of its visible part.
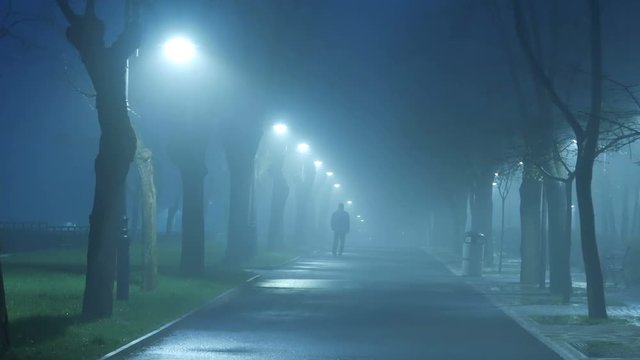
(368, 304)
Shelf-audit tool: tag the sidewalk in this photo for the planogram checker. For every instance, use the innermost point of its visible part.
(563, 327)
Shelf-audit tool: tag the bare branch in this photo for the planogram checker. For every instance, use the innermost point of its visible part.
(68, 13)
(90, 9)
(540, 74)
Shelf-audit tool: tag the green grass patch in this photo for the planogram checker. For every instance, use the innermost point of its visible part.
(575, 320)
(609, 349)
(44, 294)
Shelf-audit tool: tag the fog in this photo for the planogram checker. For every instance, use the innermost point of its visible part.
(483, 149)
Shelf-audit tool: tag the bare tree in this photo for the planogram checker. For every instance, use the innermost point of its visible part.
(587, 142)
(106, 66)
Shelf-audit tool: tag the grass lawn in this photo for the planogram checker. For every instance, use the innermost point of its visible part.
(44, 293)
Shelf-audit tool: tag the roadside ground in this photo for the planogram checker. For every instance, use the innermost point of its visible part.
(563, 327)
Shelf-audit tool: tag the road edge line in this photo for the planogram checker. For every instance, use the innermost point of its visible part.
(217, 301)
(562, 348)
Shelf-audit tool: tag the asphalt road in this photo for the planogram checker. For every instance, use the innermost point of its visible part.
(368, 304)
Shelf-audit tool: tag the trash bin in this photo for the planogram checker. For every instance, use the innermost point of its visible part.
(472, 254)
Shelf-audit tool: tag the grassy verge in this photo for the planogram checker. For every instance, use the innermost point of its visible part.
(576, 320)
(44, 293)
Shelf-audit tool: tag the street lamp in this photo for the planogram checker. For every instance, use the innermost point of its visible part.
(303, 148)
(329, 173)
(349, 202)
(179, 49)
(318, 164)
(280, 129)
(337, 186)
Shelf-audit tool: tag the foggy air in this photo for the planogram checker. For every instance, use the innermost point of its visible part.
(304, 179)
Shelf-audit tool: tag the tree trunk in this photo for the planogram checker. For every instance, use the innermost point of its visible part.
(482, 212)
(106, 68)
(542, 279)
(123, 271)
(590, 255)
(149, 248)
(303, 197)
(502, 205)
(5, 342)
(241, 143)
(624, 221)
(587, 147)
(238, 243)
(279, 195)
(171, 214)
(192, 255)
(559, 266)
(530, 252)
(117, 147)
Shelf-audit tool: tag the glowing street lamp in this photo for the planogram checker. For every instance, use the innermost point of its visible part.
(349, 202)
(318, 164)
(280, 129)
(179, 50)
(358, 216)
(303, 148)
(329, 173)
(337, 186)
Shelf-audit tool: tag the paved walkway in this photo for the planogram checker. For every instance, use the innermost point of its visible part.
(565, 327)
(369, 304)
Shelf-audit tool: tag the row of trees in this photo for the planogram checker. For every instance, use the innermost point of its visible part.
(558, 139)
(120, 146)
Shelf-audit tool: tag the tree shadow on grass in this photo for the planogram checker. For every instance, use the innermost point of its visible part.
(33, 330)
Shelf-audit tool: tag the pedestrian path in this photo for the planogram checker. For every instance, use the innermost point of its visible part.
(368, 304)
(565, 327)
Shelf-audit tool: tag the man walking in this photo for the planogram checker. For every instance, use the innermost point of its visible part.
(340, 227)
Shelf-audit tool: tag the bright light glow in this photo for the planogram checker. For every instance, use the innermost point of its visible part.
(179, 50)
(520, 163)
(280, 129)
(337, 186)
(303, 148)
(318, 164)
(361, 220)
(574, 141)
(496, 174)
(329, 173)
(349, 202)
(495, 184)
(358, 216)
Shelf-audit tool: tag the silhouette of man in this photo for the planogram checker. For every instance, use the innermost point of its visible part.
(340, 227)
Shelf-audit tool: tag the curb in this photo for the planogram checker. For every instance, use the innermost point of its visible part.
(563, 349)
(145, 339)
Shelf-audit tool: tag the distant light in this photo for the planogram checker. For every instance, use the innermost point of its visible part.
(495, 184)
(349, 202)
(520, 163)
(358, 216)
(280, 129)
(361, 220)
(337, 186)
(573, 206)
(496, 174)
(318, 164)
(329, 173)
(179, 50)
(303, 148)
(574, 141)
